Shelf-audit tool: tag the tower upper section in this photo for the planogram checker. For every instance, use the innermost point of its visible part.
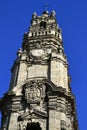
(43, 27)
(42, 54)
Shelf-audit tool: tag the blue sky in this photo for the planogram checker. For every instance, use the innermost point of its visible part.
(15, 16)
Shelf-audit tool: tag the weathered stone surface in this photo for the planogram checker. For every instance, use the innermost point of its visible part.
(39, 97)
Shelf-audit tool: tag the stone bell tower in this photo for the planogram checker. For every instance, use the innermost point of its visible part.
(40, 97)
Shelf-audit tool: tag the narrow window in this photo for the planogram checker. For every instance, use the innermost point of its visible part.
(46, 32)
(33, 126)
(43, 25)
(35, 34)
(49, 31)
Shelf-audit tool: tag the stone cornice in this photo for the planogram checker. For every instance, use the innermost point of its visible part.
(48, 37)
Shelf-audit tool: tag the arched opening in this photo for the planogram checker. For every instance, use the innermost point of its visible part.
(43, 25)
(33, 126)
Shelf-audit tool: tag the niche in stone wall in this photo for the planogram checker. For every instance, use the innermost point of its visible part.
(42, 25)
(33, 126)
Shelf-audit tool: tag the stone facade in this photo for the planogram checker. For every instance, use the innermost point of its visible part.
(40, 96)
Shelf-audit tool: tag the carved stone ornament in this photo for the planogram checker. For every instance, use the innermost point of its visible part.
(37, 52)
(34, 92)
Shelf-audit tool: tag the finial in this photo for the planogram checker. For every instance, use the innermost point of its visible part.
(19, 52)
(34, 15)
(53, 13)
(45, 12)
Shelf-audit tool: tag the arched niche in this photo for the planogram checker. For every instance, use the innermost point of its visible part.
(33, 126)
(42, 25)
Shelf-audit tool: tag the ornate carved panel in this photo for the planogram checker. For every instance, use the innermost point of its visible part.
(34, 91)
(32, 94)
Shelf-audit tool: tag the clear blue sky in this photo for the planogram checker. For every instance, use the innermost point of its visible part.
(15, 16)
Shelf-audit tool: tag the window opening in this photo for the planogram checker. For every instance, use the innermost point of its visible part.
(33, 126)
(43, 25)
(46, 32)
